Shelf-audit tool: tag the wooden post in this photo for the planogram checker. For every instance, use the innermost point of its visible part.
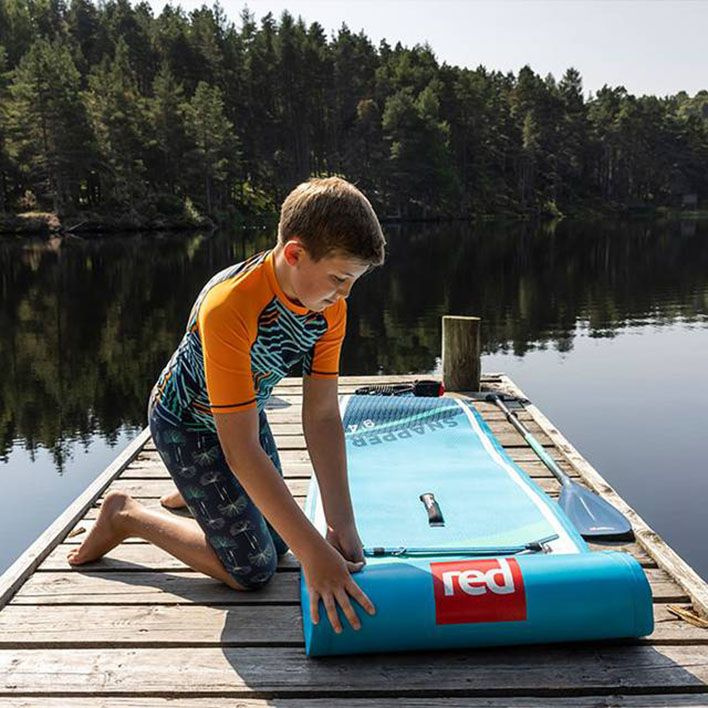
(461, 361)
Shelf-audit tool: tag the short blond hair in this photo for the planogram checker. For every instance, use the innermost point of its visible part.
(330, 215)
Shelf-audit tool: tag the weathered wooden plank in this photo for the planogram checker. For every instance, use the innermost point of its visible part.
(154, 503)
(127, 556)
(145, 488)
(683, 700)
(663, 554)
(51, 626)
(156, 470)
(272, 671)
(141, 586)
(32, 626)
(138, 588)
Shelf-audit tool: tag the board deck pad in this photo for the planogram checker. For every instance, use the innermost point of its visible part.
(469, 582)
(401, 447)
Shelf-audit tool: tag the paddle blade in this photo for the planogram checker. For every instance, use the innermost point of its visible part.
(594, 517)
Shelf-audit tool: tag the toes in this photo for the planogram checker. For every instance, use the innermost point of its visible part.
(172, 501)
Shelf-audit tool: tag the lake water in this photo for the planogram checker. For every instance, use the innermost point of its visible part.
(604, 326)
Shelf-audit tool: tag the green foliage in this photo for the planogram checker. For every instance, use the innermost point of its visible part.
(118, 114)
(214, 150)
(152, 110)
(45, 124)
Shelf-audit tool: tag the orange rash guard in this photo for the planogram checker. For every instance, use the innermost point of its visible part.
(243, 336)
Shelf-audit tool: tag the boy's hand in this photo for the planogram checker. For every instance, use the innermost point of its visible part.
(346, 540)
(327, 575)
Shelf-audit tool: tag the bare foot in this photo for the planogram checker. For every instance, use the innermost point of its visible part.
(107, 532)
(174, 500)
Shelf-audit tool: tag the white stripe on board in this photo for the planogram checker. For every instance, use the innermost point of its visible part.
(563, 544)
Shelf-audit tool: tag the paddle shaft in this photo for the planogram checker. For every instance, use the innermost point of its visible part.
(537, 447)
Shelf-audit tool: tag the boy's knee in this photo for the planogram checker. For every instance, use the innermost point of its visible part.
(256, 572)
(234, 584)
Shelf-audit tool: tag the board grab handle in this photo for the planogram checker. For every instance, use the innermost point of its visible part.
(435, 517)
(539, 546)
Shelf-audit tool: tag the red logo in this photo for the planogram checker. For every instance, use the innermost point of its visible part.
(488, 590)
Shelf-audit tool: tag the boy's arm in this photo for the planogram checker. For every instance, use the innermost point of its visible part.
(326, 573)
(324, 435)
(238, 435)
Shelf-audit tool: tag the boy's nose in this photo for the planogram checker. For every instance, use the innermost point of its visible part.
(344, 289)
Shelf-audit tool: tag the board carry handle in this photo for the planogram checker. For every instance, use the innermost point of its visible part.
(435, 517)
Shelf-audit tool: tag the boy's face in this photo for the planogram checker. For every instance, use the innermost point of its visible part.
(319, 284)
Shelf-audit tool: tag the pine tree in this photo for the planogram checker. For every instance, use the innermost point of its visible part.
(5, 164)
(166, 117)
(573, 156)
(88, 36)
(214, 153)
(118, 114)
(46, 126)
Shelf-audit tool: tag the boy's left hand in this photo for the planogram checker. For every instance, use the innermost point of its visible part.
(346, 540)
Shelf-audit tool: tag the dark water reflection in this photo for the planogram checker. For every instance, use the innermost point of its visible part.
(87, 324)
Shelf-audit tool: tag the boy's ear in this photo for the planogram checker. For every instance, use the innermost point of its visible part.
(293, 251)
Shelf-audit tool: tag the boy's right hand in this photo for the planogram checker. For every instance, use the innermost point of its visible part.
(327, 575)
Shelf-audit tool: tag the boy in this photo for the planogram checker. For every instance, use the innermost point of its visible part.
(249, 325)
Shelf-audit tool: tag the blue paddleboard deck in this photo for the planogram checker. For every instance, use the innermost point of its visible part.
(399, 448)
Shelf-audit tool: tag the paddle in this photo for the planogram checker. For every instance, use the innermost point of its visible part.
(593, 516)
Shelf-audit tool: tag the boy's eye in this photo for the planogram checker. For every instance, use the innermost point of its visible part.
(338, 280)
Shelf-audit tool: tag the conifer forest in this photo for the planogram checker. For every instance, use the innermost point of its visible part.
(108, 108)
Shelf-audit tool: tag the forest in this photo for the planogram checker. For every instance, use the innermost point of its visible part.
(109, 111)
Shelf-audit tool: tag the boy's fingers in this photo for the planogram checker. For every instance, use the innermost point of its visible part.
(314, 607)
(355, 567)
(343, 600)
(331, 608)
(360, 596)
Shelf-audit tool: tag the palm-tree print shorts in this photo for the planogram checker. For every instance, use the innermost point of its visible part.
(246, 543)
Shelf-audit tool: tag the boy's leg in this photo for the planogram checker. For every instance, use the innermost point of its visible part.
(232, 524)
(174, 500)
(123, 517)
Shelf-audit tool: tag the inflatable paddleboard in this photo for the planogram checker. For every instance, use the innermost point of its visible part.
(463, 548)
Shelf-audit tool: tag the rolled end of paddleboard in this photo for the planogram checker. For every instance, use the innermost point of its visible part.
(476, 602)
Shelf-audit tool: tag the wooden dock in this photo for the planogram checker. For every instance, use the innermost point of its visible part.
(138, 628)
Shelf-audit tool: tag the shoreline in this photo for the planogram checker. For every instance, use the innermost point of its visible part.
(50, 224)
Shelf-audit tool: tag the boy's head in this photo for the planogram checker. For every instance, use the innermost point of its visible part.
(331, 216)
(329, 236)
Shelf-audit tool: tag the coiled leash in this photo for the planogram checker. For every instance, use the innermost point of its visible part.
(426, 388)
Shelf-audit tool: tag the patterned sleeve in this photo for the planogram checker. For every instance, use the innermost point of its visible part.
(226, 344)
(322, 361)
